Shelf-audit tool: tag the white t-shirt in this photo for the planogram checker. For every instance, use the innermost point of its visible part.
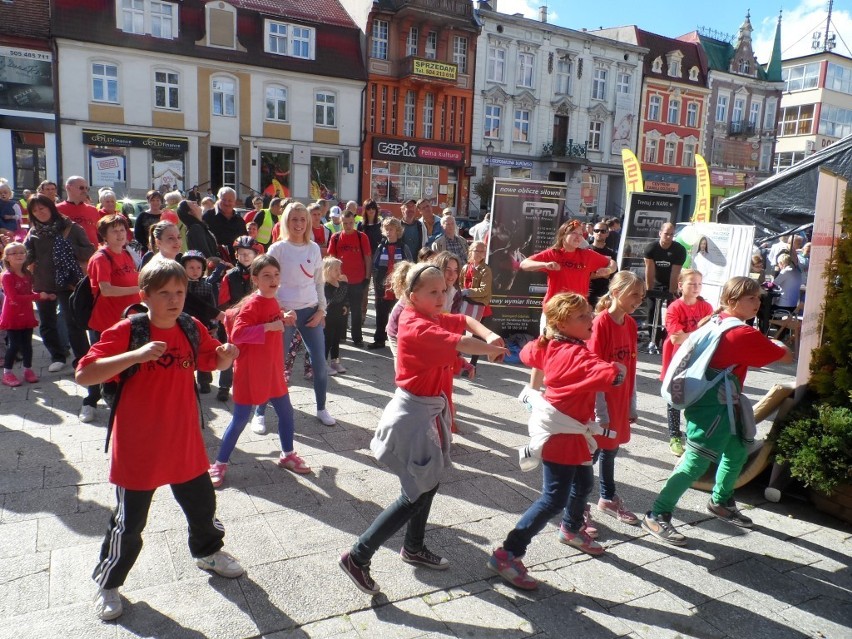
(301, 275)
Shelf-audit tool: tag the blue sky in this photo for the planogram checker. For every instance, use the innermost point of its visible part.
(800, 19)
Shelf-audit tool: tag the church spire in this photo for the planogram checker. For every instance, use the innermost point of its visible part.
(773, 68)
(745, 30)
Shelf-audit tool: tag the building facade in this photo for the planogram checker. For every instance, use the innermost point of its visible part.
(739, 136)
(28, 96)
(419, 100)
(816, 109)
(555, 104)
(672, 113)
(249, 94)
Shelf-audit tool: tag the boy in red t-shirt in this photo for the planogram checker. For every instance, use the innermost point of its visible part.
(146, 452)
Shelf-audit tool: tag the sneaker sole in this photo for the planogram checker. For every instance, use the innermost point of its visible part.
(105, 616)
(732, 521)
(589, 551)
(511, 583)
(412, 562)
(363, 589)
(671, 542)
(629, 522)
(259, 431)
(204, 566)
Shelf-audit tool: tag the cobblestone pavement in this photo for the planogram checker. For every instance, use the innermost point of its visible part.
(788, 578)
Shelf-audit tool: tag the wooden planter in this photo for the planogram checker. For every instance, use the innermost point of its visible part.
(838, 504)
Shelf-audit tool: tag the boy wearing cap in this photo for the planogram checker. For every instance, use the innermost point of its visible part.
(201, 301)
(335, 226)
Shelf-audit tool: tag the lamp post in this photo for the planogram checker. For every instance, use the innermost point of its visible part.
(489, 151)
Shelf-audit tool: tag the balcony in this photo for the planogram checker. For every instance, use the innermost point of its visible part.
(424, 70)
(742, 127)
(564, 150)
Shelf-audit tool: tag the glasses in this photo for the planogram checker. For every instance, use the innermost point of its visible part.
(601, 230)
(82, 187)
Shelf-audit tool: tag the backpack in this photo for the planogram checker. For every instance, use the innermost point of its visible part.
(140, 334)
(686, 379)
(82, 300)
(65, 265)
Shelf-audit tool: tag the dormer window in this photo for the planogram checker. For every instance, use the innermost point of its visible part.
(693, 74)
(293, 40)
(657, 65)
(221, 25)
(147, 17)
(745, 67)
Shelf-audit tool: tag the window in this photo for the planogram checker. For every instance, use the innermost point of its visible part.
(595, 129)
(722, 108)
(430, 52)
(796, 120)
(104, 82)
(693, 74)
(688, 159)
(692, 114)
(224, 97)
(650, 151)
(408, 115)
(754, 115)
(399, 181)
(657, 65)
(429, 116)
(142, 17)
(739, 108)
(801, 77)
(655, 106)
(289, 39)
(744, 67)
(669, 153)
(599, 84)
(460, 53)
(166, 90)
(835, 121)
(325, 176)
(765, 157)
(838, 78)
(324, 103)
(674, 112)
(492, 120)
(784, 161)
(411, 42)
(229, 168)
(380, 40)
(623, 85)
(526, 63)
(496, 67)
(163, 22)
(769, 115)
(276, 104)
(521, 131)
(564, 71)
(674, 67)
(133, 16)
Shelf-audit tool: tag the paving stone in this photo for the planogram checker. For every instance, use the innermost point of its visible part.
(572, 615)
(659, 616)
(487, 615)
(751, 577)
(24, 583)
(621, 586)
(822, 616)
(398, 620)
(71, 530)
(741, 615)
(18, 538)
(38, 503)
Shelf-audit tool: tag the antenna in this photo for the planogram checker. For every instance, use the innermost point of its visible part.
(825, 41)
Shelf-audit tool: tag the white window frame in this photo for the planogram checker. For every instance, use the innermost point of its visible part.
(430, 48)
(769, 114)
(834, 121)
(460, 53)
(655, 108)
(409, 114)
(283, 38)
(134, 10)
(688, 156)
(158, 12)
(838, 78)
(738, 111)
(327, 107)
(225, 94)
(692, 115)
(673, 115)
(754, 113)
(147, 17)
(564, 76)
(673, 70)
(493, 115)
(800, 77)
(599, 81)
(595, 140)
(796, 124)
(379, 40)
(167, 85)
(651, 150)
(429, 116)
(277, 100)
(722, 108)
(496, 61)
(412, 40)
(301, 36)
(669, 152)
(623, 86)
(526, 70)
(106, 80)
(521, 128)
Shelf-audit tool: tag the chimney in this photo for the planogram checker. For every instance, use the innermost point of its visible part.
(542, 13)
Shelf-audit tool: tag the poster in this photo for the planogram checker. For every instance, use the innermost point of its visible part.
(107, 167)
(275, 174)
(525, 217)
(646, 214)
(26, 76)
(702, 199)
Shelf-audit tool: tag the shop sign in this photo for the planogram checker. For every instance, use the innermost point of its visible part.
(434, 69)
(26, 76)
(515, 164)
(159, 143)
(661, 187)
(727, 178)
(404, 151)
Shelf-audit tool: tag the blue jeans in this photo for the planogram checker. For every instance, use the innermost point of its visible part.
(242, 413)
(564, 488)
(606, 471)
(394, 517)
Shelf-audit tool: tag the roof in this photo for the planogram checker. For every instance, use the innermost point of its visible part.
(720, 53)
(660, 46)
(325, 11)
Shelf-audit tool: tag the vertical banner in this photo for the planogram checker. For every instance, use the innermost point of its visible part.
(646, 214)
(525, 215)
(632, 172)
(702, 196)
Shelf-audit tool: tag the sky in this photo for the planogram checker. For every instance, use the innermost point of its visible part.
(800, 19)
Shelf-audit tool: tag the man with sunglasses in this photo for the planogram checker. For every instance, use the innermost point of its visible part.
(599, 283)
(77, 208)
(664, 260)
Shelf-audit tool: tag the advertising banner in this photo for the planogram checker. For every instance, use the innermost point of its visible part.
(525, 217)
(26, 76)
(702, 197)
(632, 172)
(646, 214)
(106, 168)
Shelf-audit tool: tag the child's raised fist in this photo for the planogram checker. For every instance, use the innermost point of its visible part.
(151, 352)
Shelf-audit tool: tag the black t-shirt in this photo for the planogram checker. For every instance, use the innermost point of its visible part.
(664, 259)
(600, 285)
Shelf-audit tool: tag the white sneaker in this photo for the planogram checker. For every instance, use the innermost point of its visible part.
(108, 604)
(258, 424)
(87, 414)
(55, 367)
(222, 564)
(326, 418)
(340, 368)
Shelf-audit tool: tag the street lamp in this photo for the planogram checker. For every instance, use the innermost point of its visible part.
(489, 151)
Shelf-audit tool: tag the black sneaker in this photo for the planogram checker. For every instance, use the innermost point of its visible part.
(204, 389)
(662, 528)
(729, 512)
(360, 575)
(223, 394)
(424, 558)
(375, 345)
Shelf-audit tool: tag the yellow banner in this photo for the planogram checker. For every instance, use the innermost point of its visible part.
(435, 69)
(702, 196)
(632, 172)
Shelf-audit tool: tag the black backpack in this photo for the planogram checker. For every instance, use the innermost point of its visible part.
(140, 334)
(82, 300)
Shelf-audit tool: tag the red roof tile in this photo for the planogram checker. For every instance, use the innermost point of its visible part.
(326, 11)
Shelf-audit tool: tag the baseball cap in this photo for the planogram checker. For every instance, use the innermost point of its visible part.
(335, 211)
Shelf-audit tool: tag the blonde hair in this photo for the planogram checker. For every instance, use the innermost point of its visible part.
(559, 309)
(784, 260)
(157, 273)
(5, 259)
(173, 198)
(328, 263)
(389, 222)
(285, 218)
(473, 246)
(734, 289)
(687, 272)
(620, 283)
(408, 277)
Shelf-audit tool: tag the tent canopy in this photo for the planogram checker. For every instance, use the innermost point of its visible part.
(787, 199)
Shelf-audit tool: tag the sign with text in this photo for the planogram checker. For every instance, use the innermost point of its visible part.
(26, 76)
(661, 187)
(434, 69)
(525, 217)
(158, 142)
(405, 151)
(646, 214)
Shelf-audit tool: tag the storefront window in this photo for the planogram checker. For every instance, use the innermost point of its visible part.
(275, 174)
(108, 167)
(396, 182)
(324, 177)
(167, 170)
(589, 194)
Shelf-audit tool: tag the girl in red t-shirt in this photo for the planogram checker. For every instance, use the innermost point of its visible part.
(574, 377)
(256, 327)
(682, 318)
(614, 339)
(413, 436)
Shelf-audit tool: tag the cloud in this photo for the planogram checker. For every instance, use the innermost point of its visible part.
(528, 8)
(797, 28)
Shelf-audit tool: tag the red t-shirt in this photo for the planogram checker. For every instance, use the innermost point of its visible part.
(319, 235)
(117, 269)
(85, 215)
(574, 376)
(742, 347)
(614, 342)
(350, 248)
(17, 310)
(577, 268)
(682, 317)
(259, 370)
(426, 352)
(156, 437)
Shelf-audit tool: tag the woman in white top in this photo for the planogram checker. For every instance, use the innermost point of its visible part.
(701, 259)
(302, 291)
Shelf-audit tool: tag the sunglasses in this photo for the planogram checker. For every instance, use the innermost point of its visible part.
(601, 230)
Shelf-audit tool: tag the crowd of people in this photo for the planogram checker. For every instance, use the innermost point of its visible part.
(224, 292)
